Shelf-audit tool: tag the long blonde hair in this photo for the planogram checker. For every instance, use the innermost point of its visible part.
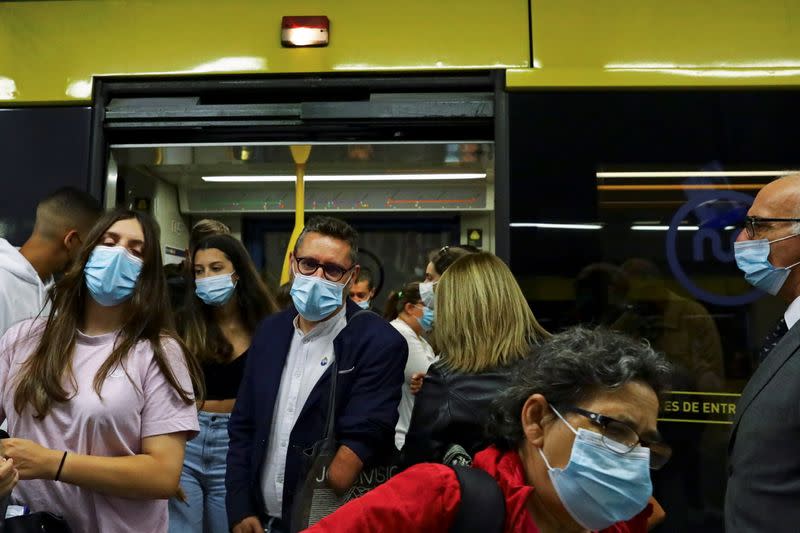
(482, 317)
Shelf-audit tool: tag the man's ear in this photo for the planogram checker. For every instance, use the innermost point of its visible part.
(534, 416)
(354, 277)
(72, 241)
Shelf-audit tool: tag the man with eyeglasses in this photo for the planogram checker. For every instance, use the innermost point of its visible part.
(763, 488)
(282, 402)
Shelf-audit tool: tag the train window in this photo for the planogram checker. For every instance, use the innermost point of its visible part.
(648, 189)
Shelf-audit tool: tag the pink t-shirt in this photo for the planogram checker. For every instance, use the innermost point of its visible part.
(86, 424)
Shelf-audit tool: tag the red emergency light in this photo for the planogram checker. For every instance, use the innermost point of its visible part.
(304, 31)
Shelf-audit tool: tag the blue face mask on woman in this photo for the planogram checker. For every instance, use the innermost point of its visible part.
(600, 487)
(111, 274)
(316, 298)
(215, 290)
(427, 319)
(752, 258)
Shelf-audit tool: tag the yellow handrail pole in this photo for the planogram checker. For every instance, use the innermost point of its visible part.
(300, 155)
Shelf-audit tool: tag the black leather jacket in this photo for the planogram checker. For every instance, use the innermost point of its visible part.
(451, 408)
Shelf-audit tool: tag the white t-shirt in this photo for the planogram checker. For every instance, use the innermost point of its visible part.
(420, 357)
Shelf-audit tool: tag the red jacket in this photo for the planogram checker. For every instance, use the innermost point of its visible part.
(425, 498)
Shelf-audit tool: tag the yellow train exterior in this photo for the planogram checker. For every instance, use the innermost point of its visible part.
(51, 51)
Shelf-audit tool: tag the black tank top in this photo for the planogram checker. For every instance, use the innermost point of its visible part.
(223, 379)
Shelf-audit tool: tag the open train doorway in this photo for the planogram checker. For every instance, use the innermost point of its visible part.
(413, 162)
(405, 198)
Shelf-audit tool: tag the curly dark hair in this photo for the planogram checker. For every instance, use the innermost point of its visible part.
(570, 367)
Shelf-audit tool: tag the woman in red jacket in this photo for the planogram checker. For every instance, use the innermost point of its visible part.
(574, 440)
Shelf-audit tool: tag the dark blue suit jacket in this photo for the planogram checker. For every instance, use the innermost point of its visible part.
(371, 357)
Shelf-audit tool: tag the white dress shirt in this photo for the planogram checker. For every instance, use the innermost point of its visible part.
(420, 357)
(792, 314)
(308, 359)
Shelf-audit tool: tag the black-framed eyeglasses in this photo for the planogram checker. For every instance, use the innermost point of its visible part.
(749, 223)
(620, 438)
(308, 266)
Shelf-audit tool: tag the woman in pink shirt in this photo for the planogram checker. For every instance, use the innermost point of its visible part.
(98, 397)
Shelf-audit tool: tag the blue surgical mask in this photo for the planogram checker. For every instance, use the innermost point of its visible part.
(426, 321)
(426, 293)
(364, 304)
(752, 258)
(316, 298)
(111, 274)
(215, 290)
(600, 487)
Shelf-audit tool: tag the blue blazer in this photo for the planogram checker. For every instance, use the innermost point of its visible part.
(371, 357)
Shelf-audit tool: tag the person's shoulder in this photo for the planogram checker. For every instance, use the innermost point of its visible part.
(24, 331)
(143, 352)
(469, 384)
(439, 373)
(282, 320)
(429, 472)
(371, 323)
(171, 346)
(406, 331)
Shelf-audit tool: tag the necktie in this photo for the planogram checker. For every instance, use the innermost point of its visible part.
(772, 340)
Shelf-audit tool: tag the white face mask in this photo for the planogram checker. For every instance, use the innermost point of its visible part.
(426, 293)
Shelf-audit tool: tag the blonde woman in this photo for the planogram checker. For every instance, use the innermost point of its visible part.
(483, 325)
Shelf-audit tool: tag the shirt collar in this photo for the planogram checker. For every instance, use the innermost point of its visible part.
(792, 314)
(321, 328)
(401, 324)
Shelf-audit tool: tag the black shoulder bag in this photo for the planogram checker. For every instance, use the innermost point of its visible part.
(41, 522)
(483, 507)
(314, 499)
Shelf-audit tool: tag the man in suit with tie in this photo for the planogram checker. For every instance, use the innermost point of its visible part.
(763, 492)
(282, 404)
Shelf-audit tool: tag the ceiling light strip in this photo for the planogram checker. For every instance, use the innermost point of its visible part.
(697, 173)
(689, 187)
(550, 225)
(645, 227)
(346, 177)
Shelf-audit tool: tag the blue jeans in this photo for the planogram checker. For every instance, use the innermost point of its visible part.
(203, 480)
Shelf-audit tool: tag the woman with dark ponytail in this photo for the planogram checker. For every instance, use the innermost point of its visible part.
(405, 311)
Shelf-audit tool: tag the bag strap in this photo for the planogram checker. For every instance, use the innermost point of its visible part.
(330, 420)
(483, 506)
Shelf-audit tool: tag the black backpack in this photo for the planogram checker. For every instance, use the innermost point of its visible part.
(483, 507)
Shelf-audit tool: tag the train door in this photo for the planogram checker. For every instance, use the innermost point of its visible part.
(410, 162)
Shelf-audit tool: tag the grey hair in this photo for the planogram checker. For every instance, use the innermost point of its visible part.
(331, 227)
(569, 368)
